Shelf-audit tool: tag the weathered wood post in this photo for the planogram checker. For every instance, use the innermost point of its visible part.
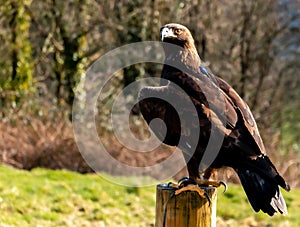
(187, 209)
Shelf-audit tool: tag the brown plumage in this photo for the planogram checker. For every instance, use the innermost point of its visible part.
(242, 147)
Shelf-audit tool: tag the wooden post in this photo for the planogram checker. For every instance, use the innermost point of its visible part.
(186, 209)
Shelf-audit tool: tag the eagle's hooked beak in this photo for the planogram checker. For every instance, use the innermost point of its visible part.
(167, 33)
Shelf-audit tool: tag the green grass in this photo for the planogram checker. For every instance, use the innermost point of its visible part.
(61, 198)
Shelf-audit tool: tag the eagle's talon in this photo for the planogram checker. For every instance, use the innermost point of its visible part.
(208, 198)
(216, 184)
(224, 185)
(173, 185)
(170, 185)
(185, 181)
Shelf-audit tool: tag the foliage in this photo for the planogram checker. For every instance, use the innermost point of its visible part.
(241, 41)
(62, 198)
(31, 143)
(16, 60)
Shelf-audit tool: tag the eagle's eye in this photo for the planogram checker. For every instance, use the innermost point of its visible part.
(177, 31)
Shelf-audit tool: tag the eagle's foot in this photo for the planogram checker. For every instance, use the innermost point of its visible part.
(212, 183)
(188, 184)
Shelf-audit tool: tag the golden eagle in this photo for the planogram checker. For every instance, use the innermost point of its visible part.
(241, 148)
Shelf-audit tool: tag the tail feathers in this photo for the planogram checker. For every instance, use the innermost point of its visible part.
(263, 191)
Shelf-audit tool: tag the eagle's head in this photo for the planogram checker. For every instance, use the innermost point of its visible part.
(176, 34)
(181, 36)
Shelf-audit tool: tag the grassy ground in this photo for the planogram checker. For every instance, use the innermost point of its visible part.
(61, 198)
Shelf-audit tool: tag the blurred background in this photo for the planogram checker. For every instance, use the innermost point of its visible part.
(46, 46)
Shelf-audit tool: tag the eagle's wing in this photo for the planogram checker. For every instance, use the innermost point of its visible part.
(178, 112)
(153, 108)
(240, 128)
(225, 109)
(243, 110)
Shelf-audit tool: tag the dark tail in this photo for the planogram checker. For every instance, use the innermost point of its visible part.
(261, 182)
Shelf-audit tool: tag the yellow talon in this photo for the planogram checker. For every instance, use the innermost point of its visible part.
(187, 184)
(212, 183)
